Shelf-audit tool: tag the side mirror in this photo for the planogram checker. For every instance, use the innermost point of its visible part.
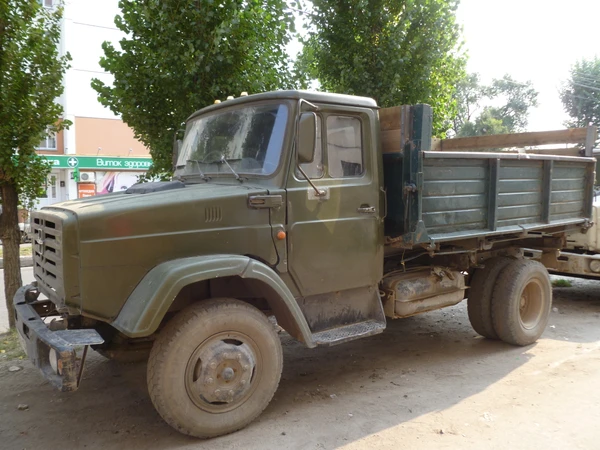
(176, 148)
(307, 137)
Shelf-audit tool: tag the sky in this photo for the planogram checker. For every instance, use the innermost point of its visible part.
(535, 40)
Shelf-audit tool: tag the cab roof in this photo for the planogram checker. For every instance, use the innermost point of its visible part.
(311, 96)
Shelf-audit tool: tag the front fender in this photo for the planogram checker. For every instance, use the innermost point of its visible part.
(149, 302)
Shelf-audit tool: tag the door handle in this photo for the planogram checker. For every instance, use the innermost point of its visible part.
(367, 209)
(265, 201)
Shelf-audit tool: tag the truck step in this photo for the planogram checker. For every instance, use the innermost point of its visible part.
(346, 333)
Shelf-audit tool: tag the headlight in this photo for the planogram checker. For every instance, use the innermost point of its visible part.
(54, 362)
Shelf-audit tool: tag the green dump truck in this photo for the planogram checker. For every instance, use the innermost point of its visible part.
(319, 211)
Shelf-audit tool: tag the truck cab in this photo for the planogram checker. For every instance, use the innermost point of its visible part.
(336, 197)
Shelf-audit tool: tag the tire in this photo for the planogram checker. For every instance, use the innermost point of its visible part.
(479, 302)
(214, 367)
(521, 302)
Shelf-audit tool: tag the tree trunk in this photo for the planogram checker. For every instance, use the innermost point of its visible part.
(11, 239)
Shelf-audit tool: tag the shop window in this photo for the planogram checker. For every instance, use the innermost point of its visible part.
(50, 186)
(344, 147)
(53, 185)
(44, 194)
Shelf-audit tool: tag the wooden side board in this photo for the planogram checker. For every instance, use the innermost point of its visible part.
(582, 136)
(396, 130)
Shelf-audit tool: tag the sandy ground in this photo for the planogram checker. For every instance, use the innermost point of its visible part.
(426, 383)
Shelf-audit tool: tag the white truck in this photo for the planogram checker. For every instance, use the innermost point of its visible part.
(581, 255)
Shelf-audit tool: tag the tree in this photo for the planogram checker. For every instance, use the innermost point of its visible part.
(517, 99)
(580, 95)
(486, 123)
(180, 55)
(31, 72)
(468, 95)
(396, 51)
(512, 102)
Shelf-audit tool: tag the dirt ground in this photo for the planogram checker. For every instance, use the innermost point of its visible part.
(428, 382)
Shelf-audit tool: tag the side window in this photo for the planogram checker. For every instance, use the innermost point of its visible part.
(315, 168)
(344, 147)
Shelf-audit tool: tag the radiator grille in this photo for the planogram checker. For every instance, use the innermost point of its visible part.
(47, 256)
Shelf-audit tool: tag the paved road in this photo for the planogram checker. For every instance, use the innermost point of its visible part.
(27, 275)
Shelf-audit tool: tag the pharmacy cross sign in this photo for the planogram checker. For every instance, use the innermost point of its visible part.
(72, 162)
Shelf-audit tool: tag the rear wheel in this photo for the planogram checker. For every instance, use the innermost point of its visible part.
(479, 303)
(214, 367)
(521, 302)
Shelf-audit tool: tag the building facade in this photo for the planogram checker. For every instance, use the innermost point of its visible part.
(98, 153)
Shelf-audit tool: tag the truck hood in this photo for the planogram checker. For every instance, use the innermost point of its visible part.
(111, 242)
(120, 215)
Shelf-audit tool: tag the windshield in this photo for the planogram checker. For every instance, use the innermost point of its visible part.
(249, 139)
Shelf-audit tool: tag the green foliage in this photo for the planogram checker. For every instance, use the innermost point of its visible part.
(468, 95)
(10, 348)
(561, 283)
(581, 94)
(395, 51)
(181, 55)
(486, 123)
(31, 74)
(517, 99)
(512, 100)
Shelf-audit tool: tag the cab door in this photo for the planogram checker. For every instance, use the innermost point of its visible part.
(335, 241)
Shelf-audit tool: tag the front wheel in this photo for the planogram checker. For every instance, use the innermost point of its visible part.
(214, 367)
(521, 302)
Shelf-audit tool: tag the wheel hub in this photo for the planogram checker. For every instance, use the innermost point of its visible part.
(531, 305)
(523, 303)
(228, 374)
(220, 372)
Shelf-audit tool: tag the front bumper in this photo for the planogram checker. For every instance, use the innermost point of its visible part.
(38, 341)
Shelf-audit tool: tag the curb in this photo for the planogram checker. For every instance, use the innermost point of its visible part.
(26, 261)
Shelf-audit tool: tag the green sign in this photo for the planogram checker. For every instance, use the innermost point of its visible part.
(98, 162)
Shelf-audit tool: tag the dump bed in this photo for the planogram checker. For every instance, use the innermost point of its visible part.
(439, 196)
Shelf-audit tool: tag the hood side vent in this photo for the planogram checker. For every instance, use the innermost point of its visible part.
(213, 214)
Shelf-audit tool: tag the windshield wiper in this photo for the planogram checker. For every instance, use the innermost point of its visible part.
(204, 177)
(224, 160)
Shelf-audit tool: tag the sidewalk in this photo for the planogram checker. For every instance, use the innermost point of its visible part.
(27, 276)
(26, 261)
